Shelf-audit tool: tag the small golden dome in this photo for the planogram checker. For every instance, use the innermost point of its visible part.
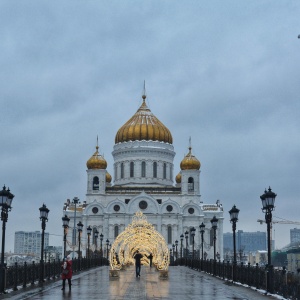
(190, 162)
(96, 161)
(108, 177)
(143, 125)
(178, 178)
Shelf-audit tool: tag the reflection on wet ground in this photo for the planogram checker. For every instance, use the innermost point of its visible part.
(183, 283)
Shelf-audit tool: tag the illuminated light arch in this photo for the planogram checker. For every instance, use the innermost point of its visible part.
(139, 235)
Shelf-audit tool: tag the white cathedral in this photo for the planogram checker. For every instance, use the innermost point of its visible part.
(143, 181)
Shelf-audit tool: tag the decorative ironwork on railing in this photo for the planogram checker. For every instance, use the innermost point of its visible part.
(284, 283)
(21, 276)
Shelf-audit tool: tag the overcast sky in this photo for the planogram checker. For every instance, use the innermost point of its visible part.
(226, 73)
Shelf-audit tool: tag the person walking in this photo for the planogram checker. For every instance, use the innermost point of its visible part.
(66, 272)
(138, 256)
(150, 259)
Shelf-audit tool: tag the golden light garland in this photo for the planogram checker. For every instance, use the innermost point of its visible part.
(139, 235)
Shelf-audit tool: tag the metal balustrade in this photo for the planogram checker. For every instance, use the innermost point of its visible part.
(21, 276)
(286, 284)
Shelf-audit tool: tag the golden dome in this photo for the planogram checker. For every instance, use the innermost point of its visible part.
(96, 161)
(178, 178)
(190, 162)
(108, 177)
(143, 125)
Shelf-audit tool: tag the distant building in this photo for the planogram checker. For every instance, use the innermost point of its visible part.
(245, 241)
(53, 253)
(30, 242)
(260, 257)
(293, 260)
(295, 235)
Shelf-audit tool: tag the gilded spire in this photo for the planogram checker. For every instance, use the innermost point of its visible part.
(143, 125)
(97, 161)
(144, 96)
(190, 162)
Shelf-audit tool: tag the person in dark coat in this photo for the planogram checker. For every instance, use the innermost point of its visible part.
(138, 256)
(66, 272)
(150, 259)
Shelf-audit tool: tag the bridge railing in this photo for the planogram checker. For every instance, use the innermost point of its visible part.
(20, 276)
(284, 283)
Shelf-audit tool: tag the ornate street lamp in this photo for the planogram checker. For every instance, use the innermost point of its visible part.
(66, 221)
(89, 232)
(96, 234)
(79, 228)
(107, 243)
(176, 244)
(202, 230)
(193, 230)
(75, 202)
(6, 199)
(186, 246)
(214, 224)
(181, 244)
(173, 247)
(234, 213)
(101, 240)
(268, 201)
(44, 211)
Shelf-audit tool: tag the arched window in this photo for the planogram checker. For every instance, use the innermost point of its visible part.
(143, 169)
(116, 231)
(122, 170)
(96, 183)
(116, 171)
(191, 184)
(165, 171)
(155, 169)
(132, 169)
(171, 173)
(169, 234)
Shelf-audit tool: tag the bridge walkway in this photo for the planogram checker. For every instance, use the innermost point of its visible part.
(183, 284)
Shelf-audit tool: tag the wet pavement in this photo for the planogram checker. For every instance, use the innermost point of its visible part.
(183, 283)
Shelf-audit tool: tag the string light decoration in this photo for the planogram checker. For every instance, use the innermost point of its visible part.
(139, 235)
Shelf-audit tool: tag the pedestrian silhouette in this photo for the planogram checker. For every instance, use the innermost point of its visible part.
(150, 259)
(138, 256)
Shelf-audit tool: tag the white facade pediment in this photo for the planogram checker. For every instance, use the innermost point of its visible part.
(151, 205)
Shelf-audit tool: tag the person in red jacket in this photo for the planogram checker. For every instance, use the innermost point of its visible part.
(66, 272)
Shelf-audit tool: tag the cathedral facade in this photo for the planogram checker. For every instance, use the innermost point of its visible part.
(143, 180)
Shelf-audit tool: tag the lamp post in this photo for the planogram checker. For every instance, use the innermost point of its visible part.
(66, 221)
(176, 244)
(75, 202)
(79, 228)
(186, 246)
(44, 218)
(193, 230)
(89, 232)
(173, 247)
(96, 234)
(268, 201)
(234, 213)
(107, 243)
(101, 240)
(214, 223)
(5, 203)
(202, 230)
(181, 244)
